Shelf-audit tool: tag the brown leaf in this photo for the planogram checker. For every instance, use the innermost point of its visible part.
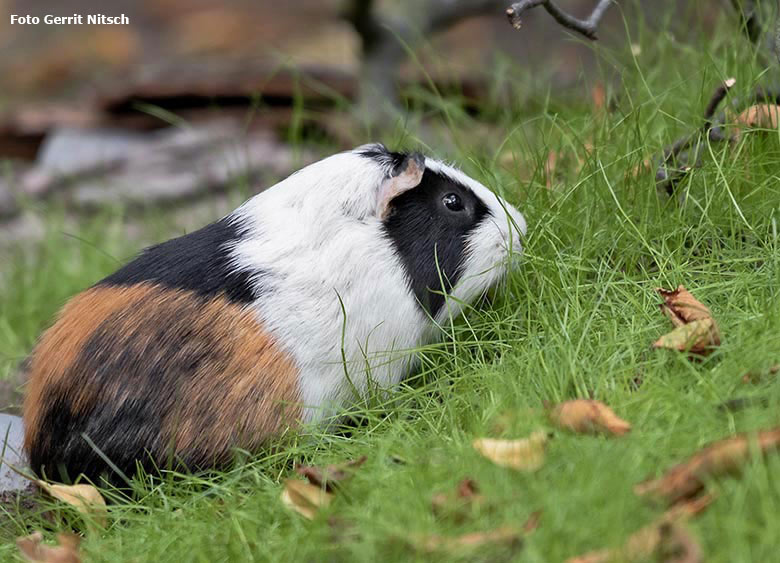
(342, 531)
(696, 330)
(764, 116)
(640, 169)
(664, 538)
(724, 457)
(532, 522)
(549, 168)
(598, 95)
(526, 454)
(751, 377)
(587, 416)
(504, 536)
(33, 548)
(459, 504)
(303, 498)
(682, 307)
(697, 337)
(677, 545)
(84, 498)
(331, 476)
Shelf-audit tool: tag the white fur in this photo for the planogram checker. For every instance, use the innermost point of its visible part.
(315, 238)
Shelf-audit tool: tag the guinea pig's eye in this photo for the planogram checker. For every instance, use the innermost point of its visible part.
(453, 202)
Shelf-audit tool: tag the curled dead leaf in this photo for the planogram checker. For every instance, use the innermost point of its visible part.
(695, 329)
(724, 457)
(526, 454)
(33, 548)
(84, 498)
(763, 116)
(598, 95)
(697, 337)
(665, 538)
(549, 168)
(459, 545)
(751, 377)
(587, 416)
(682, 307)
(644, 167)
(532, 522)
(304, 498)
(331, 476)
(460, 503)
(677, 545)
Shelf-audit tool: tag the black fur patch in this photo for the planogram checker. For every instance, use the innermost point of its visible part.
(392, 161)
(198, 261)
(424, 232)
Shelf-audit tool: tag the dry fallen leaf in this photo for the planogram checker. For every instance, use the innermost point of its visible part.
(763, 116)
(532, 522)
(587, 416)
(598, 95)
(303, 498)
(665, 538)
(331, 476)
(682, 307)
(644, 167)
(695, 337)
(677, 545)
(505, 536)
(549, 168)
(33, 548)
(84, 498)
(695, 329)
(459, 504)
(751, 377)
(526, 454)
(724, 457)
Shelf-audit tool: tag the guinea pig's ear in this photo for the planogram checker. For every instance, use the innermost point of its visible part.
(405, 176)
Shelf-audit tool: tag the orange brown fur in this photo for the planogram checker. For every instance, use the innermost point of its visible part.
(161, 371)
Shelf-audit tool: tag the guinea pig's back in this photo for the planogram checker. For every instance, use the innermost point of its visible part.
(150, 372)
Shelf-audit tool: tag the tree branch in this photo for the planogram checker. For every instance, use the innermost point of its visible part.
(683, 155)
(586, 27)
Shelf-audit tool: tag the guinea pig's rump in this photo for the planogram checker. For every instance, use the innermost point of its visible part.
(153, 375)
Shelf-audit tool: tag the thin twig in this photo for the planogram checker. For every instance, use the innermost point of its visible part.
(681, 156)
(677, 153)
(586, 27)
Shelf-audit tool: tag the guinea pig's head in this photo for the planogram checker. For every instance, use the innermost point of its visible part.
(453, 236)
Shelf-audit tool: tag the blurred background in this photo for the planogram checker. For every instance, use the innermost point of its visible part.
(196, 97)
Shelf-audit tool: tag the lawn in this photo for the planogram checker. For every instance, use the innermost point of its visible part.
(576, 320)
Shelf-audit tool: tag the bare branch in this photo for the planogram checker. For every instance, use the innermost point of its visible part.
(677, 160)
(586, 27)
(684, 154)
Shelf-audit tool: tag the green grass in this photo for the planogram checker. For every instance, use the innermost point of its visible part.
(576, 321)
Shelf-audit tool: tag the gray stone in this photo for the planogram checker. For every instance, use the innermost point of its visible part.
(11, 441)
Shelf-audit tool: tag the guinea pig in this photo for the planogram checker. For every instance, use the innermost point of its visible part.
(280, 314)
